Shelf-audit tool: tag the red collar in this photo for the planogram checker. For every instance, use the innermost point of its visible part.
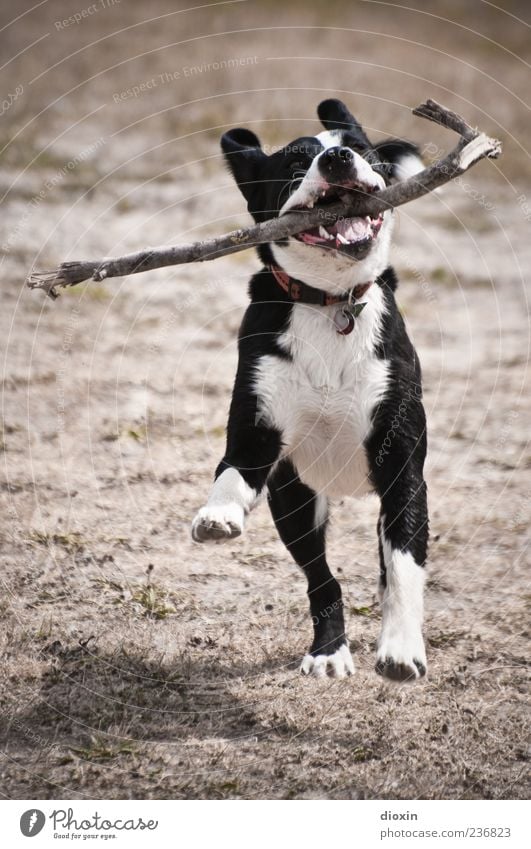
(300, 292)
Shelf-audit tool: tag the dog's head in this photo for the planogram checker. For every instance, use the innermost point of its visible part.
(314, 171)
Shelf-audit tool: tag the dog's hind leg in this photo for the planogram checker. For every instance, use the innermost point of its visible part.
(301, 517)
(403, 543)
(401, 655)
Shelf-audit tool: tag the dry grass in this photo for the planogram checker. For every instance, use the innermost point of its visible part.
(137, 664)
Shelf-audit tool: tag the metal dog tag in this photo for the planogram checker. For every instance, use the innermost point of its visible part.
(344, 318)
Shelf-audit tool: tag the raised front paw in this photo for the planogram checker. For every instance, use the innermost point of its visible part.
(401, 658)
(214, 522)
(335, 665)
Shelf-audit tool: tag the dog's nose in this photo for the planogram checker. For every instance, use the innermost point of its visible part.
(336, 163)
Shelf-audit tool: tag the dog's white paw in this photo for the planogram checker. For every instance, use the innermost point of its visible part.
(402, 656)
(336, 665)
(219, 521)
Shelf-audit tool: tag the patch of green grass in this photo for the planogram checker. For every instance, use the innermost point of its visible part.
(100, 749)
(151, 600)
(360, 754)
(371, 611)
(71, 542)
(441, 275)
(218, 430)
(137, 433)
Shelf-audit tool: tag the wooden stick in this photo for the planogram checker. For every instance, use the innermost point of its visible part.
(472, 146)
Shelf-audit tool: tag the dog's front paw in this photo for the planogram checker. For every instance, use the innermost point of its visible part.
(214, 522)
(401, 658)
(336, 665)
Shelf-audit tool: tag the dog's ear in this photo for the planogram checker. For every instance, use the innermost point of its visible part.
(243, 155)
(401, 159)
(334, 115)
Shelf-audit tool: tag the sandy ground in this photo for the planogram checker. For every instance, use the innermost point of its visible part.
(136, 663)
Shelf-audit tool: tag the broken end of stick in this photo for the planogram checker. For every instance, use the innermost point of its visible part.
(68, 274)
(478, 148)
(47, 281)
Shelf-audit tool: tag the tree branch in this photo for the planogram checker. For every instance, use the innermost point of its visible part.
(472, 146)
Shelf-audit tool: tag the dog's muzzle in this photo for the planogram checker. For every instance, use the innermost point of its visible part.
(337, 164)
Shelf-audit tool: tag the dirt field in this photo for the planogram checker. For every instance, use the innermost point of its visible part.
(135, 662)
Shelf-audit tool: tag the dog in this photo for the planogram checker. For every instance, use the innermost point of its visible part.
(327, 400)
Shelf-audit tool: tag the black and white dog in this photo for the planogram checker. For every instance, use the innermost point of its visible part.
(327, 397)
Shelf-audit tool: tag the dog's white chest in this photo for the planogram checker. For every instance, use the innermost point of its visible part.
(322, 398)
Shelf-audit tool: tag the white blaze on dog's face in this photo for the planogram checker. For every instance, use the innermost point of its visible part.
(314, 171)
(351, 250)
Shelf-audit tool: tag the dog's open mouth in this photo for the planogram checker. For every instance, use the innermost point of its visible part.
(351, 236)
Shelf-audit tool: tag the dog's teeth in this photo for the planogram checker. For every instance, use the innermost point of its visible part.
(342, 239)
(310, 204)
(368, 219)
(322, 232)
